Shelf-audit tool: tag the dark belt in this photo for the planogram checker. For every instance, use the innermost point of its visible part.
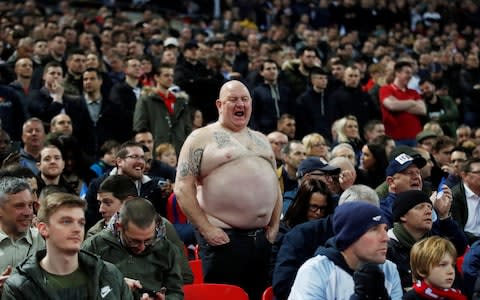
(244, 232)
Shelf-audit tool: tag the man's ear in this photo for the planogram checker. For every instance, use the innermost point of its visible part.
(43, 229)
(403, 219)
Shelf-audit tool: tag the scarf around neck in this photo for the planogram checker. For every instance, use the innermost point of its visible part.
(428, 292)
(404, 237)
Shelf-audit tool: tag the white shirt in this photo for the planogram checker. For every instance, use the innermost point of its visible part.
(473, 220)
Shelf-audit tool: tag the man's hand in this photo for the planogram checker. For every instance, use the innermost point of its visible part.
(346, 179)
(11, 159)
(57, 90)
(271, 232)
(215, 236)
(158, 296)
(442, 205)
(132, 283)
(4, 276)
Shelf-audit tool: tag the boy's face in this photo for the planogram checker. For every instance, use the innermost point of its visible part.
(442, 275)
(65, 230)
(109, 205)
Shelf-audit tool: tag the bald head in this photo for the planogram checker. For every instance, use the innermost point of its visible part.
(234, 106)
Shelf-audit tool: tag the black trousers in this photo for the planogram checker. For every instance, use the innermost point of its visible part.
(244, 261)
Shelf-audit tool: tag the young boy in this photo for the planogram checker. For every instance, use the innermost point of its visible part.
(432, 261)
(63, 271)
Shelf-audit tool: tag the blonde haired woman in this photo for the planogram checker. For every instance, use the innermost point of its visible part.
(315, 145)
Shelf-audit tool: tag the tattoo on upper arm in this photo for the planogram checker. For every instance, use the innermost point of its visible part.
(222, 139)
(193, 163)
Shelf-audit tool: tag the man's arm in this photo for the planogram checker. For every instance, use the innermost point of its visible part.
(273, 225)
(393, 104)
(188, 171)
(140, 115)
(418, 108)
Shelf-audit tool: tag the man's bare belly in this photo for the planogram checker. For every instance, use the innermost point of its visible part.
(240, 193)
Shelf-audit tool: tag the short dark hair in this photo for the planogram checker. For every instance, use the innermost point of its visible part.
(121, 187)
(122, 150)
(138, 211)
(52, 64)
(467, 167)
(107, 146)
(399, 65)
(75, 51)
(317, 71)
(94, 70)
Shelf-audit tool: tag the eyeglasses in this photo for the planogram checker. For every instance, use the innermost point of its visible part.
(133, 243)
(278, 143)
(460, 160)
(319, 145)
(315, 208)
(135, 157)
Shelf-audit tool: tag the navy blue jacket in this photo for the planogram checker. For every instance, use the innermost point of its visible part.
(12, 114)
(264, 114)
(298, 245)
(313, 114)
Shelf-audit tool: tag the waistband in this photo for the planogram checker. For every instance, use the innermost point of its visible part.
(243, 232)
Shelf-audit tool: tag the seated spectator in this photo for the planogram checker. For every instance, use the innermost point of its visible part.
(316, 145)
(166, 153)
(51, 167)
(113, 192)
(107, 153)
(137, 246)
(300, 243)
(347, 132)
(62, 124)
(433, 270)
(373, 163)
(18, 240)
(49, 273)
(412, 216)
(360, 237)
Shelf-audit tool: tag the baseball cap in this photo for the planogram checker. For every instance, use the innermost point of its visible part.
(311, 164)
(402, 161)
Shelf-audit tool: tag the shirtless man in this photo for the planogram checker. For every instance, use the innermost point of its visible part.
(227, 187)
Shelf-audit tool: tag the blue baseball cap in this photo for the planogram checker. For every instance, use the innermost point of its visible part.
(402, 161)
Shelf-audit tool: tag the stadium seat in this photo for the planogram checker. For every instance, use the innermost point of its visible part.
(213, 291)
(268, 294)
(196, 266)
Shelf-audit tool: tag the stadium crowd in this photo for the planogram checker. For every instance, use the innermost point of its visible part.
(149, 128)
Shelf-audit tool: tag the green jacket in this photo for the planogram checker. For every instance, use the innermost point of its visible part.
(151, 113)
(156, 267)
(28, 280)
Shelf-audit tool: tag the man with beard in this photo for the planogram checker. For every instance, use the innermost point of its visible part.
(439, 108)
(51, 166)
(412, 215)
(297, 75)
(130, 161)
(17, 238)
(136, 244)
(73, 84)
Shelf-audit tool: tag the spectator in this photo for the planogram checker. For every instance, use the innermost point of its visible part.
(166, 153)
(401, 105)
(300, 243)
(138, 220)
(63, 239)
(287, 125)
(19, 238)
(271, 99)
(433, 269)
(313, 106)
(412, 216)
(278, 140)
(356, 242)
(33, 137)
(164, 113)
